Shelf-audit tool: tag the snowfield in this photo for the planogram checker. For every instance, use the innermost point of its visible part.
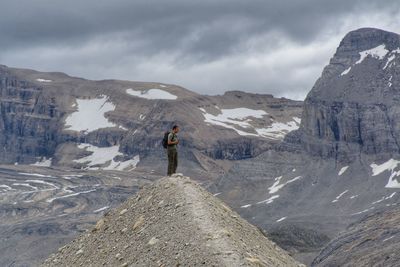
(152, 94)
(238, 119)
(389, 165)
(103, 155)
(90, 115)
(378, 52)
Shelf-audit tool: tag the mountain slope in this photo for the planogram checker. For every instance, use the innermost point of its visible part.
(54, 116)
(342, 162)
(170, 223)
(373, 241)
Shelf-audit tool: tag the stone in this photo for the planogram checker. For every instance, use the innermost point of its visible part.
(99, 225)
(138, 223)
(153, 241)
(123, 212)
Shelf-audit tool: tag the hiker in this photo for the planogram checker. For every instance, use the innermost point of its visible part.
(172, 151)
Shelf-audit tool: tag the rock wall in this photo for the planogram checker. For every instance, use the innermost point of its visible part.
(353, 107)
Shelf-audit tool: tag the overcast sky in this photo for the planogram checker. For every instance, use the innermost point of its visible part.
(208, 46)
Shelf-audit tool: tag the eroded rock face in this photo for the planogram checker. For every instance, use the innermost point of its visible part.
(29, 120)
(354, 106)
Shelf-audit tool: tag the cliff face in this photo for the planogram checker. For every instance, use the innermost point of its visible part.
(29, 120)
(357, 94)
(172, 222)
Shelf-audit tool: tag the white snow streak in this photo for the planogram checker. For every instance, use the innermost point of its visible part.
(43, 80)
(276, 186)
(339, 196)
(342, 170)
(281, 219)
(269, 200)
(101, 209)
(70, 195)
(152, 94)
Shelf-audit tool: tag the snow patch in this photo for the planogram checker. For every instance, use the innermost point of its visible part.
(391, 57)
(102, 155)
(44, 162)
(43, 80)
(152, 94)
(384, 198)
(339, 196)
(276, 186)
(378, 52)
(101, 209)
(246, 206)
(389, 165)
(238, 119)
(366, 210)
(354, 196)
(342, 170)
(281, 219)
(278, 130)
(268, 200)
(90, 115)
(345, 71)
(386, 239)
(36, 175)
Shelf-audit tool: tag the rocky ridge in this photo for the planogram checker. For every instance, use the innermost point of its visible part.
(172, 222)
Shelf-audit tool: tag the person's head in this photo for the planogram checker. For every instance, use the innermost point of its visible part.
(175, 129)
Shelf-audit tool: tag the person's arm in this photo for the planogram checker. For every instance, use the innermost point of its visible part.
(170, 142)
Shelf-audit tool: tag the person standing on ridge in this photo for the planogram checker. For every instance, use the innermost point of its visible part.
(172, 150)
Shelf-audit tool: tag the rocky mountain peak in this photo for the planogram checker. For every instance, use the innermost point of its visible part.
(357, 93)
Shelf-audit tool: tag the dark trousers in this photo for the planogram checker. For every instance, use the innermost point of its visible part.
(172, 160)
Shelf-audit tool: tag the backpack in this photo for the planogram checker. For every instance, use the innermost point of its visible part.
(165, 140)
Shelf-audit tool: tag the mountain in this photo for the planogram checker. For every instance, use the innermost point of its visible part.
(54, 116)
(75, 148)
(172, 222)
(342, 162)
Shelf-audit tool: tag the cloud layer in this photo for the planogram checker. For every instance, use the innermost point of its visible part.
(208, 46)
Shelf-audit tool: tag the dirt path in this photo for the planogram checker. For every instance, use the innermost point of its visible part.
(216, 235)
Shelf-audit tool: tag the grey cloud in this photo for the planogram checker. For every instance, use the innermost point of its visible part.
(102, 38)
